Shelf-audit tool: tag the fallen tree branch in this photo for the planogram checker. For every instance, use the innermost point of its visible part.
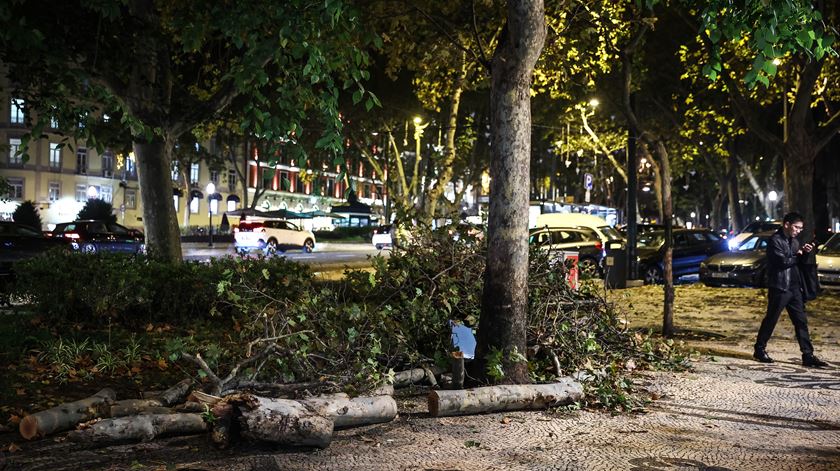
(139, 428)
(504, 398)
(67, 415)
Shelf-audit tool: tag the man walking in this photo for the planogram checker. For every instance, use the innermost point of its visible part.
(785, 286)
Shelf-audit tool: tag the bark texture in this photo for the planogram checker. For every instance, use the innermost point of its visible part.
(504, 302)
(66, 416)
(284, 422)
(503, 398)
(140, 428)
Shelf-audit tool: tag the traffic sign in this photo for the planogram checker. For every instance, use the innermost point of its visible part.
(588, 181)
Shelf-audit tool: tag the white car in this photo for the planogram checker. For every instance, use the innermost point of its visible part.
(382, 237)
(272, 236)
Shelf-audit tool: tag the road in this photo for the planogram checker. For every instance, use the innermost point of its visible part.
(327, 256)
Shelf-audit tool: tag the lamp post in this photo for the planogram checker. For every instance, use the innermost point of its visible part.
(211, 189)
(772, 197)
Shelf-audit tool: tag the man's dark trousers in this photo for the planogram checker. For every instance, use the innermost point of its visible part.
(792, 300)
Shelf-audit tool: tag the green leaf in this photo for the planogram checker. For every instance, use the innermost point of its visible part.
(357, 96)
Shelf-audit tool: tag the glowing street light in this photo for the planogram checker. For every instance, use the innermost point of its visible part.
(211, 189)
(594, 102)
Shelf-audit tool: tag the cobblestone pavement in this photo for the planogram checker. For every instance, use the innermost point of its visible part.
(728, 413)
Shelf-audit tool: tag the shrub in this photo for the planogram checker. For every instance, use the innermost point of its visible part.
(97, 209)
(73, 287)
(27, 214)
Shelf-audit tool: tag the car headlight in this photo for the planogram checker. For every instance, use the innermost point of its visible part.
(732, 244)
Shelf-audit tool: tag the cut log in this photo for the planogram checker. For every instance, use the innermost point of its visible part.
(67, 416)
(384, 390)
(176, 394)
(139, 428)
(346, 412)
(223, 413)
(416, 376)
(203, 398)
(274, 389)
(457, 370)
(282, 421)
(190, 406)
(504, 398)
(137, 406)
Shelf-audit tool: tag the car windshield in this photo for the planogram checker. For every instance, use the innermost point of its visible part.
(832, 244)
(753, 243)
(611, 233)
(652, 239)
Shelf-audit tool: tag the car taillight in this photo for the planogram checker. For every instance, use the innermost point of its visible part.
(599, 245)
(71, 235)
(235, 229)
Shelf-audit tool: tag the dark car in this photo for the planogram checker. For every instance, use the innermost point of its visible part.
(92, 236)
(691, 246)
(746, 265)
(582, 240)
(19, 242)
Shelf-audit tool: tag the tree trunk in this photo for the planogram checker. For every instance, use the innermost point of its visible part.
(800, 163)
(66, 416)
(416, 376)
(346, 412)
(503, 398)
(503, 322)
(283, 421)
(163, 239)
(736, 218)
(668, 304)
(446, 170)
(140, 428)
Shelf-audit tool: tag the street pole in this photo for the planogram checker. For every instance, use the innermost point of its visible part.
(632, 184)
(211, 190)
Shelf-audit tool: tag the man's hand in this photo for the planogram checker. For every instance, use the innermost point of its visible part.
(807, 248)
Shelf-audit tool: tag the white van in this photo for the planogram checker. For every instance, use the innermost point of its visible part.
(597, 224)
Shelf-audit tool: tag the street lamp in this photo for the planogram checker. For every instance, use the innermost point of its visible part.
(92, 192)
(418, 134)
(772, 197)
(211, 189)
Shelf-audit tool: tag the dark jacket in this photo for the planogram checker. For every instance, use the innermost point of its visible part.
(782, 261)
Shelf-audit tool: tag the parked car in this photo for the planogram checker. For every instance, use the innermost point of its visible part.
(691, 246)
(19, 242)
(828, 261)
(92, 236)
(271, 236)
(744, 266)
(597, 224)
(381, 237)
(752, 228)
(584, 241)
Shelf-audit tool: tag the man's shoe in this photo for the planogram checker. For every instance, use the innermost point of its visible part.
(811, 360)
(762, 356)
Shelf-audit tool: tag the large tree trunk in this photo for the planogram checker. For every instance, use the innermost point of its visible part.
(503, 322)
(284, 422)
(163, 239)
(503, 398)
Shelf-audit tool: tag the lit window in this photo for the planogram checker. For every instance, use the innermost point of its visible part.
(194, 206)
(131, 199)
(175, 172)
(131, 166)
(194, 171)
(81, 193)
(231, 205)
(175, 201)
(17, 111)
(54, 191)
(107, 164)
(81, 161)
(15, 157)
(106, 193)
(214, 176)
(214, 206)
(55, 156)
(15, 188)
